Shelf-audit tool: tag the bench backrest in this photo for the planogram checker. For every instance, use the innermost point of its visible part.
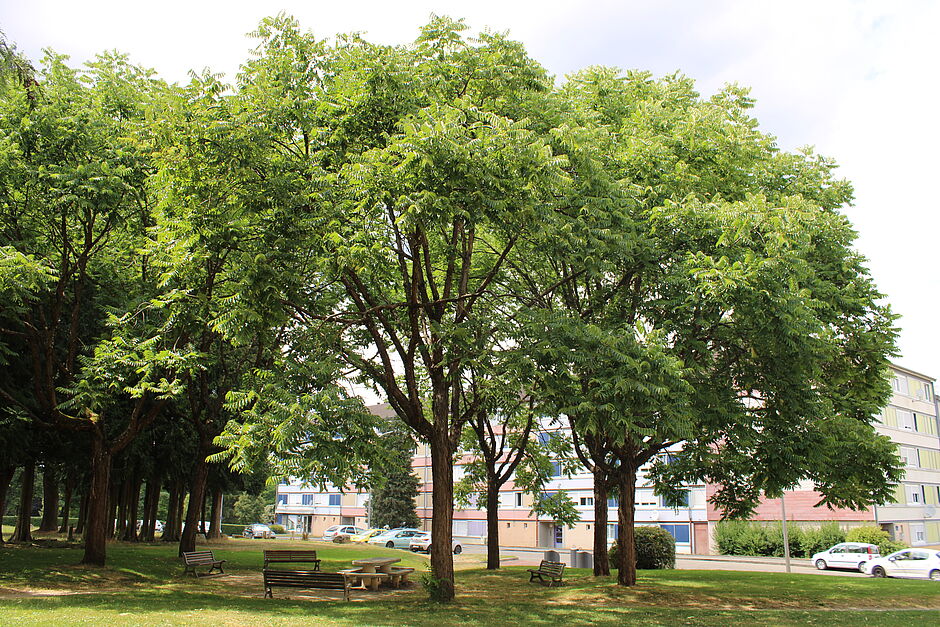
(289, 554)
(305, 579)
(552, 568)
(198, 557)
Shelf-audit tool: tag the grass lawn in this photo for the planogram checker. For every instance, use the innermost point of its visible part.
(143, 584)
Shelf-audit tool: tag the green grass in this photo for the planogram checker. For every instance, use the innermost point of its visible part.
(143, 585)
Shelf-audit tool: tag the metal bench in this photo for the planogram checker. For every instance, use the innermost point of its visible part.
(287, 555)
(192, 559)
(310, 579)
(547, 571)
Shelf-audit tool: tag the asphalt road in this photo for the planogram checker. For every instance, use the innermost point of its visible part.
(524, 556)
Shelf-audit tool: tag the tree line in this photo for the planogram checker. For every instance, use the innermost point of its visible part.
(446, 224)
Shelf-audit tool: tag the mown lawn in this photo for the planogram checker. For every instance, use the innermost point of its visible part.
(143, 585)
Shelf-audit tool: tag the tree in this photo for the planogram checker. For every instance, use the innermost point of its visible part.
(393, 499)
(707, 298)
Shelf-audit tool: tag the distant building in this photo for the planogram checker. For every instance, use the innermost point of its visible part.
(910, 419)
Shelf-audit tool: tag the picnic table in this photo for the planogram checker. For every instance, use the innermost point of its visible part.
(373, 570)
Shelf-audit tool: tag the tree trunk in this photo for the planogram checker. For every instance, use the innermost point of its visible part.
(114, 499)
(98, 518)
(67, 503)
(196, 493)
(124, 499)
(6, 476)
(601, 559)
(171, 526)
(133, 502)
(215, 531)
(82, 512)
(492, 526)
(626, 542)
(50, 500)
(442, 517)
(22, 532)
(151, 502)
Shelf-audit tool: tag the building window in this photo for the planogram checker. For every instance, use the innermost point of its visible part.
(335, 499)
(587, 500)
(306, 499)
(899, 384)
(518, 499)
(612, 503)
(915, 495)
(282, 499)
(679, 532)
(909, 456)
(612, 530)
(556, 469)
(681, 501)
(905, 420)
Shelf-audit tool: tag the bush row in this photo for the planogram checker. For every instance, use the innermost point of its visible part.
(751, 538)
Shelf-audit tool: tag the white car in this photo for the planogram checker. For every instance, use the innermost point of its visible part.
(423, 543)
(852, 555)
(258, 530)
(919, 563)
(340, 530)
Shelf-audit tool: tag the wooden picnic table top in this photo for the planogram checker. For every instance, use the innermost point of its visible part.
(376, 561)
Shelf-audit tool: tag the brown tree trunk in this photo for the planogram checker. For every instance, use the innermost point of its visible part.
(98, 518)
(151, 502)
(171, 526)
(67, 503)
(492, 526)
(442, 517)
(196, 493)
(50, 500)
(626, 511)
(601, 559)
(133, 502)
(114, 499)
(6, 476)
(22, 532)
(82, 512)
(215, 531)
(124, 502)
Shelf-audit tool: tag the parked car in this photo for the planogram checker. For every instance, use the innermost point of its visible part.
(853, 555)
(340, 530)
(395, 538)
(365, 535)
(258, 530)
(157, 526)
(919, 563)
(423, 543)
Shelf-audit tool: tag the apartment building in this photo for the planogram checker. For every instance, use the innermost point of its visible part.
(910, 419)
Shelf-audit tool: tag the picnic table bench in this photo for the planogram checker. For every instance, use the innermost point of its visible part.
(288, 555)
(550, 571)
(399, 575)
(365, 579)
(310, 579)
(192, 559)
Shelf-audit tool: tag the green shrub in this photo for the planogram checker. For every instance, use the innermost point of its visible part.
(727, 537)
(821, 538)
(655, 549)
(278, 529)
(890, 546)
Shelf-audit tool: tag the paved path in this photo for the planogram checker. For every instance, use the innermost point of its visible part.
(526, 556)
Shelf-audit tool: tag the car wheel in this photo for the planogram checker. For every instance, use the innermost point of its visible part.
(390, 544)
(457, 549)
(935, 575)
(878, 571)
(821, 564)
(861, 567)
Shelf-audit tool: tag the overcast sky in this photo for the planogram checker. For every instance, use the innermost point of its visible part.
(855, 79)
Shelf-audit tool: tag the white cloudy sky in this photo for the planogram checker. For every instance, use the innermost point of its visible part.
(856, 79)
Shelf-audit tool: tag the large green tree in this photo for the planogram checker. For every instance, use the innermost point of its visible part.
(705, 296)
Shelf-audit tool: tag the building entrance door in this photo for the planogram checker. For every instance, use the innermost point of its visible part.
(559, 536)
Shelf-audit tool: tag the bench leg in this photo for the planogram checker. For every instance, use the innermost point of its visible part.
(268, 594)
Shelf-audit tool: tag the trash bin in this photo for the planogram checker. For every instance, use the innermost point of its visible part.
(552, 556)
(585, 560)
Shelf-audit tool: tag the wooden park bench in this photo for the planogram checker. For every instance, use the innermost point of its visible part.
(287, 555)
(550, 571)
(310, 579)
(193, 559)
